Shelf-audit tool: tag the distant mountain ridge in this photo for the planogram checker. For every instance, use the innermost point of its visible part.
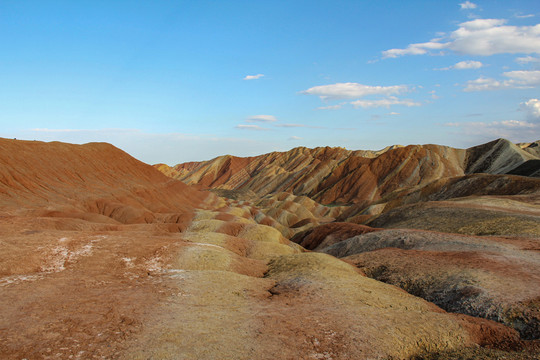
(339, 176)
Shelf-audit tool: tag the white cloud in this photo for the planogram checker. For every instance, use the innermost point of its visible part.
(467, 5)
(465, 65)
(532, 106)
(393, 113)
(519, 79)
(469, 64)
(261, 118)
(527, 59)
(392, 100)
(480, 37)
(251, 127)
(491, 36)
(295, 138)
(331, 107)
(524, 77)
(355, 90)
(517, 124)
(482, 84)
(415, 49)
(352, 90)
(253, 77)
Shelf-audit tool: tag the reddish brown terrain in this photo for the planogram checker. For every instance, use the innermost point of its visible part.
(105, 257)
(340, 176)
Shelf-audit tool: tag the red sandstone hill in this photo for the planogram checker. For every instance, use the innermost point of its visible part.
(97, 181)
(339, 176)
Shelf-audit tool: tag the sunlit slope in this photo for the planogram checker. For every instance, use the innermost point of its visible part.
(339, 176)
(88, 181)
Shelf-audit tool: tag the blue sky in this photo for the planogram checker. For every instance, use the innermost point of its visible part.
(174, 81)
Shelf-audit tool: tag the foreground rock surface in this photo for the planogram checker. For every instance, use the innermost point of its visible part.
(489, 277)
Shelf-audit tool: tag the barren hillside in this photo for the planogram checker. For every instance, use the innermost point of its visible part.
(339, 176)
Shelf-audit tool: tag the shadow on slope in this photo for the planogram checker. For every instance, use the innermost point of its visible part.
(489, 277)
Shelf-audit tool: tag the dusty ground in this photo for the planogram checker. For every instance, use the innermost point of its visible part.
(140, 292)
(490, 277)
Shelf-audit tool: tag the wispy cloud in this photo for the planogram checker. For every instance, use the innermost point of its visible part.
(464, 65)
(251, 127)
(45, 130)
(359, 91)
(384, 103)
(261, 118)
(352, 90)
(527, 59)
(331, 107)
(416, 49)
(295, 138)
(517, 79)
(473, 115)
(479, 37)
(467, 5)
(524, 16)
(298, 126)
(434, 95)
(253, 77)
(514, 130)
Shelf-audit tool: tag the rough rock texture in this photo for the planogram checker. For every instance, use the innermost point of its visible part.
(293, 214)
(532, 148)
(528, 168)
(496, 157)
(474, 215)
(489, 277)
(339, 176)
(327, 175)
(326, 235)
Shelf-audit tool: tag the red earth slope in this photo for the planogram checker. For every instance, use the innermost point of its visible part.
(81, 181)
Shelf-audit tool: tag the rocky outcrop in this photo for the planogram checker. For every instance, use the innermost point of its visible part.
(496, 157)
